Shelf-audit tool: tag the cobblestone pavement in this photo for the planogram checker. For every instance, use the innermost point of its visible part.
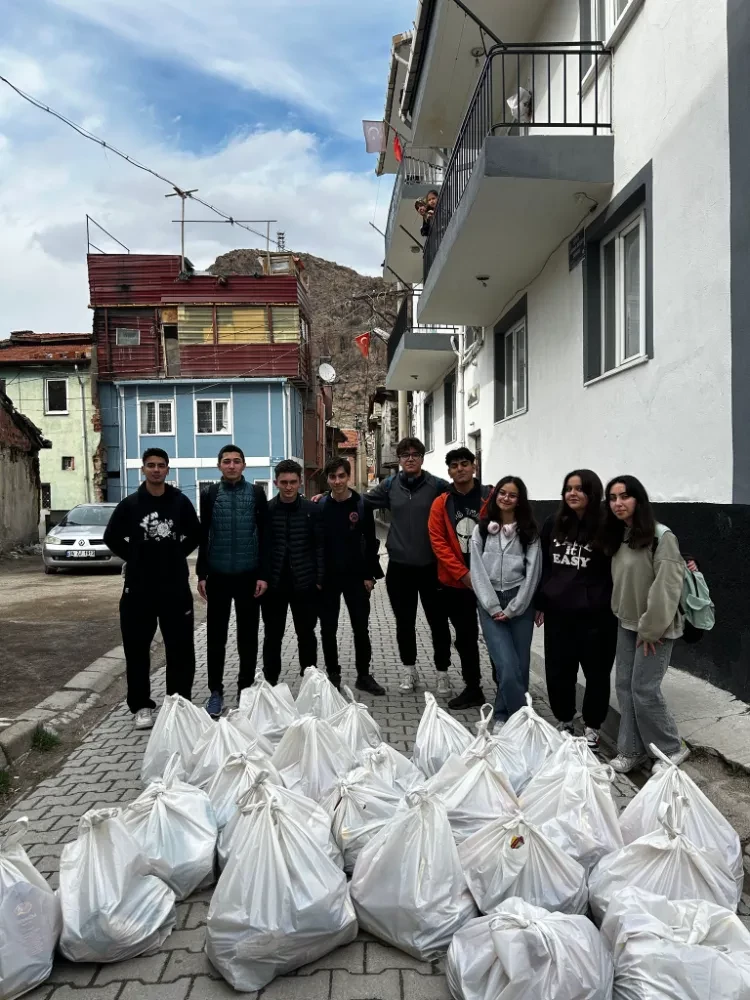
(105, 769)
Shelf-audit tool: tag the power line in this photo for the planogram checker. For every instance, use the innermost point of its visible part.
(84, 132)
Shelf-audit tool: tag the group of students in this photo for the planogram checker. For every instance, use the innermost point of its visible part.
(602, 576)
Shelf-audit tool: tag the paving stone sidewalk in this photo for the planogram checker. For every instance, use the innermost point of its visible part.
(105, 770)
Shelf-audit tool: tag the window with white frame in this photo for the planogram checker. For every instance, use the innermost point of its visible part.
(429, 422)
(511, 364)
(449, 408)
(605, 14)
(212, 416)
(157, 416)
(56, 395)
(622, 279)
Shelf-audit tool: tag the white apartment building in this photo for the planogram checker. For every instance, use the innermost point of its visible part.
(589, 257)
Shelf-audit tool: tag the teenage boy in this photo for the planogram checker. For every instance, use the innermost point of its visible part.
(412, 570)
(154, 530)
(453, 517)
(352, 566)
(232, 566)
(296, 571)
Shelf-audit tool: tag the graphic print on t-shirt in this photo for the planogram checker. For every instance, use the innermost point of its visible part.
(464, 530)
(566, 553)
(156, 529)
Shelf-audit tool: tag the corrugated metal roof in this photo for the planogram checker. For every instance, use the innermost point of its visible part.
(31, 337)
(19, 354)
(253, 359)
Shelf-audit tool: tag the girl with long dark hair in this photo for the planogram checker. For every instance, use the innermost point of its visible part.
(574, 605)
(505, 569)
(647, 576)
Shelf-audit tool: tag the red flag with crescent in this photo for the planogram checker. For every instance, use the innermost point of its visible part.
(363, 343)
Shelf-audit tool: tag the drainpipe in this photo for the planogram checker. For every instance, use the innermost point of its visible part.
(403, 414)
(457, 343)
(84, 424)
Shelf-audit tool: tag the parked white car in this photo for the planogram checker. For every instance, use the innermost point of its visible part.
(78, 540)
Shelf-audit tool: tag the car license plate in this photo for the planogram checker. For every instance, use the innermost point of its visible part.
(80, 554)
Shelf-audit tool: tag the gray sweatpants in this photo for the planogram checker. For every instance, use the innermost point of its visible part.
(644, 716)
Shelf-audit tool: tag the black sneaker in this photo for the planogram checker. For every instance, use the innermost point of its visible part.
(335, 679)
(469, 698)
(366, 682)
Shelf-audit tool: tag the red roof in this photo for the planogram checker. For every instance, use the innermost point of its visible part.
(351, 438)
(30, 337)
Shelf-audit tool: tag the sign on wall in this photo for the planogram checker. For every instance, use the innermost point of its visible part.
(577, 250)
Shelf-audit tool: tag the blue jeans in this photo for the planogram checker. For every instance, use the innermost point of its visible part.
(509, 646)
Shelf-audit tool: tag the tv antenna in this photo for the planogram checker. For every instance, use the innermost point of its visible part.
(327, 373)
(219, 222)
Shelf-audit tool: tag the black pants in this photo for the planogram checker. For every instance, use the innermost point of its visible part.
(221, 590)
(588, 639)
(357, 602)
(405, 584)
(140, 612)
(304, 605)
(460, 607)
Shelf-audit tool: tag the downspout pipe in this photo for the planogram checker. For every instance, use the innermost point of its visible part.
(84, 427)
(458, 345)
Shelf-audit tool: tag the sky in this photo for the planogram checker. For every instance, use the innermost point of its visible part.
(257, 104)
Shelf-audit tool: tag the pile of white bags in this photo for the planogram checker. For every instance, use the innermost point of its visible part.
(359, 805)
(528, 741)
(523, 952)
(270, 709)
(212, 749)
(179, 726)
(174, 825)
(499, 755)
(391, 767)
(473, 792)
(280, 902)
(686, 950)
(317, 696)
(233, 779)
(408, 887)
(29, 917)
(511, 857)
(355, 725)
(666, 863)
(113, 907)
(438, 736)
(312, 756)
(702, 823)
(245, 725)
(570, 801)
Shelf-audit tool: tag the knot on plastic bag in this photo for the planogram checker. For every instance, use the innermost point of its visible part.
(95, 817)
(486, 713)
(15, 834)
(417, 797)
(670, 817)
(503, 920)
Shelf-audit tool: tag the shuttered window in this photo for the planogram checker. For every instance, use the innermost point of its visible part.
(195, 324)
(243, 325)
(286, 327)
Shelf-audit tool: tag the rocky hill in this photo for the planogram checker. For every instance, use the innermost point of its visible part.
(344, 304)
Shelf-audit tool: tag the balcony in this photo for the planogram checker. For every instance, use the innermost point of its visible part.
(417, 174)
(418, 356)
(533, 158)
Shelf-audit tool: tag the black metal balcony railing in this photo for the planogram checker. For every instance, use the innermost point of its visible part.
(417, 167)
(405, 324)
(521, 88)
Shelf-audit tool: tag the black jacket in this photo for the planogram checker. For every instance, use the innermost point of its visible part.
(352, 548)
(296, 534)
(207, 501)
(154, 535)
(575, 578)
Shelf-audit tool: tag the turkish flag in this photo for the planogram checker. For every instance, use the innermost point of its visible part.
(363, 343)
(398, 149)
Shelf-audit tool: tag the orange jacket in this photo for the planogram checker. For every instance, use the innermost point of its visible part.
(450, 560)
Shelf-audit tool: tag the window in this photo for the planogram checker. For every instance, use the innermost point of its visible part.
(127, 338)
(511, 363)
(212, 416)
(56, 395)
(449, 408)
(286, 324)
(605, 15)
(157, 417)
(68, 463)
(46, 496)
(429, 419)
(243, 325)
(195, 324)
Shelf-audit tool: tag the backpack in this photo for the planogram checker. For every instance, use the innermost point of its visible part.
(695, 604)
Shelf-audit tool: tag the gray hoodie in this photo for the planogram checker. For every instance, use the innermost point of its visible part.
(408, 536)
(495, 569)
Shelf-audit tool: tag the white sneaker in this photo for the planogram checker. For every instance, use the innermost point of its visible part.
(566, 727)
(444, 684)
(677, 758)
(497, 728)
(592, 738)
(144, 718)
(623, 764)
(408, 681)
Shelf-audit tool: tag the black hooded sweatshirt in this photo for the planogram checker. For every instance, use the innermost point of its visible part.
(575, 577)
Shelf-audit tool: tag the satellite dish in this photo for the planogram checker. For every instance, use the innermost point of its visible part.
(326, 372)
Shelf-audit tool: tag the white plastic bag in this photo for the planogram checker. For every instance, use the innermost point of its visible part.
(520, 105)
(30, 918)
(270, 708)
(355, 725)
(280, 902)
(210, 752)
(571, 803)
(242, 721)
(688, 950)
(408, 888)
(312, 757)
(523, 952)
(175, 827)
(498, 754)
(360, 804)
(667, 864)
(233, 779)
(179, 726)
(113, 908)
(317, 696)
(511, 857)
(391, 767)
(702, 823)
(260, 792)
(529, 741)
(438, 736)
(473, 792)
